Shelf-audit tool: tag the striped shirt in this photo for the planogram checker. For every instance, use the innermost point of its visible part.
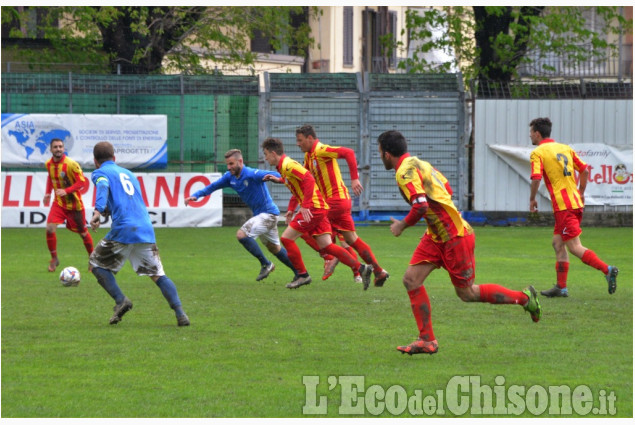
(321, 161)
(301, 184)
(417, 178)
(67, 174)
(557, 163)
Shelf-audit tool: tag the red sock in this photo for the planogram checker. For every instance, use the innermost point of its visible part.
(88, 242)
(366, 253)
(420, 304)
(342, 255)
(310, 240)
(562, 269)
(51, 242)
(590, 259)
(295, 256)
(351, 251)
(497, 294)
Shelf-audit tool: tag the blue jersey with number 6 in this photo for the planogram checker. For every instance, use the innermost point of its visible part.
(119, 191)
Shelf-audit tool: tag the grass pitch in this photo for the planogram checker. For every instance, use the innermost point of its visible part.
(251, 343)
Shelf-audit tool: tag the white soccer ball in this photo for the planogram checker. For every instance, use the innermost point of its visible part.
(70, 276)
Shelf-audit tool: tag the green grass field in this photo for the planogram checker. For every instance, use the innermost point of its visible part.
(252, 343)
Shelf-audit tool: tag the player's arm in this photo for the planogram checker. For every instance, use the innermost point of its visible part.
(349, 156)
(418, 208)
(49, 188)
(81, 183)
(269, 176)
(209, 189)
(536, 176)
(101, 201)
(584, 178)
(583, 168)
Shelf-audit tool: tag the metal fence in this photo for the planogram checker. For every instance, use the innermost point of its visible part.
(207, 115)
(353, 110)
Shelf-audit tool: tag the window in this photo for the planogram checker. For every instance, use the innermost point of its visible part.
(392, 30)
(348, 36)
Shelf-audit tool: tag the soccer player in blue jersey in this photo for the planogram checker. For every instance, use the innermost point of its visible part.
(248, 183)
(131, 235)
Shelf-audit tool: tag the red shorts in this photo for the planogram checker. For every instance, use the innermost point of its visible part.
(318, 225)
(568, 223)
(340, 215)
(75, 220)
(455, 255)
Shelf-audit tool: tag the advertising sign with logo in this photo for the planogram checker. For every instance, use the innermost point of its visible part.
(140, 141)
(163, 194)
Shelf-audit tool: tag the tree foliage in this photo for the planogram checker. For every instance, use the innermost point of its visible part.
(491, 42)
(140, 39)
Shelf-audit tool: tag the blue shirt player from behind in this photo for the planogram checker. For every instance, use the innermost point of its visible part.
(248, 183)
(131, 235)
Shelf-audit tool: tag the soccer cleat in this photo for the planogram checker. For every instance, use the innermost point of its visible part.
(299, 281)
(265, 270)
(556, 291)
(420, 347)
(532, 305)
(120, 310)
(53, 264)
(358, 278)
(611, 278)
(366, 270)
(183, 320)
(380, 278)
(329, 267)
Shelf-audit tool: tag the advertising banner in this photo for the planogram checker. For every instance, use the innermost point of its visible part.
(140, 141)
(163, 193)
(610, 170)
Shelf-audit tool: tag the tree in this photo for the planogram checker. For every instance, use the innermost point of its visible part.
(491, 42)
(140, 39)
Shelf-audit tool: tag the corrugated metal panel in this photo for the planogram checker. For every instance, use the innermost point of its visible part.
(431, 121)
(497, 187)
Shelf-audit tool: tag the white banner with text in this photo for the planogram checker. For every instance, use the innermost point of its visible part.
(163, 194)
(140, 141)
(610, 170)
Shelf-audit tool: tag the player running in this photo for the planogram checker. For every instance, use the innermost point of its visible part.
(448, 242)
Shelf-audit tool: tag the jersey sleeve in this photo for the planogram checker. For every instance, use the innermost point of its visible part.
(345, 153)
(102, 186)
(218, 184)
(536, 166)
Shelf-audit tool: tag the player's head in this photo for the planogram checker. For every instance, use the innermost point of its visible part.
(57, 148)
(539, 128)
(273, 150)
(234, 161)
(102, 152)
(392, 146)
(305, 137)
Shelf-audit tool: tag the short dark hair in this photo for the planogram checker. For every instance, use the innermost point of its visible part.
(274, 145)
(55, 139)
(306, 130)
(542, 126)
(233, 152)
(103, 151)
(393, 142)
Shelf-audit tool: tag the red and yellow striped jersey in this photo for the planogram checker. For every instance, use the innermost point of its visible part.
(321, 161)
(301, 184)
(67, 174)
(416, 178)
(557, 163)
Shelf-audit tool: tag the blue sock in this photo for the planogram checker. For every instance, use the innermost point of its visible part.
(168, 289)
(107, 281)
(284, 259)
(252, 246)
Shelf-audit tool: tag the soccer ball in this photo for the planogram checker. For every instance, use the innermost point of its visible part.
(70, 276)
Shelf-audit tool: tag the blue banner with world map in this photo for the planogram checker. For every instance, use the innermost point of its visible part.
(140, 141)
